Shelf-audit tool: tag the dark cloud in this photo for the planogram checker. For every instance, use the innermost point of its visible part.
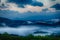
(3, 6)
(53, 0)
(56, 6)
(45, 9)
(21, 3)
(37, 4)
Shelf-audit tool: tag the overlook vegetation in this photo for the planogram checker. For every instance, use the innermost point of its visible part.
(6, 36)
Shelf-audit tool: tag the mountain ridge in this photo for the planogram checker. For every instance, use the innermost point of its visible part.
(16, 23)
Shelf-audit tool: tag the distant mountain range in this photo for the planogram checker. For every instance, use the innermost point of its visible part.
(11, 23)
(16, 23)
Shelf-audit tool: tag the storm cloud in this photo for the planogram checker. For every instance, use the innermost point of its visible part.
(22, 3)
(23, 6)
(56, 6)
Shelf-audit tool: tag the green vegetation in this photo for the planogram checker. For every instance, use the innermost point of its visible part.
(6, 36)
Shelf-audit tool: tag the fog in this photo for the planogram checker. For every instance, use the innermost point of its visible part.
(26, 30)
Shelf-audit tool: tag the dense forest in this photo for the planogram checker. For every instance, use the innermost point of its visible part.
(6, 36)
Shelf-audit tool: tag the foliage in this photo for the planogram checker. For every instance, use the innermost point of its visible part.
(7, 36)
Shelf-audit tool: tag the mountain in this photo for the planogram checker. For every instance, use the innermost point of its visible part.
(11, 23)
(51, 22)
(54, 21)
(16, 23)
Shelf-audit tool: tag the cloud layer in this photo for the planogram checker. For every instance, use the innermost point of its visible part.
(26, 2)
(23, 6)
(56, 6)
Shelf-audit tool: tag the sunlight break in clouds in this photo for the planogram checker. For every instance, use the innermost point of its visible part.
(26, 9)
(14, 7)
(2, 2)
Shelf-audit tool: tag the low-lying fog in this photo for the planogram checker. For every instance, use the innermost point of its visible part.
(26, 30)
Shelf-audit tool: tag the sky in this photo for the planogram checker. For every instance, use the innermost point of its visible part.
(30, 9)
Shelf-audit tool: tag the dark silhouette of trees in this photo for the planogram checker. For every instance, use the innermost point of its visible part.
(6, 36)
